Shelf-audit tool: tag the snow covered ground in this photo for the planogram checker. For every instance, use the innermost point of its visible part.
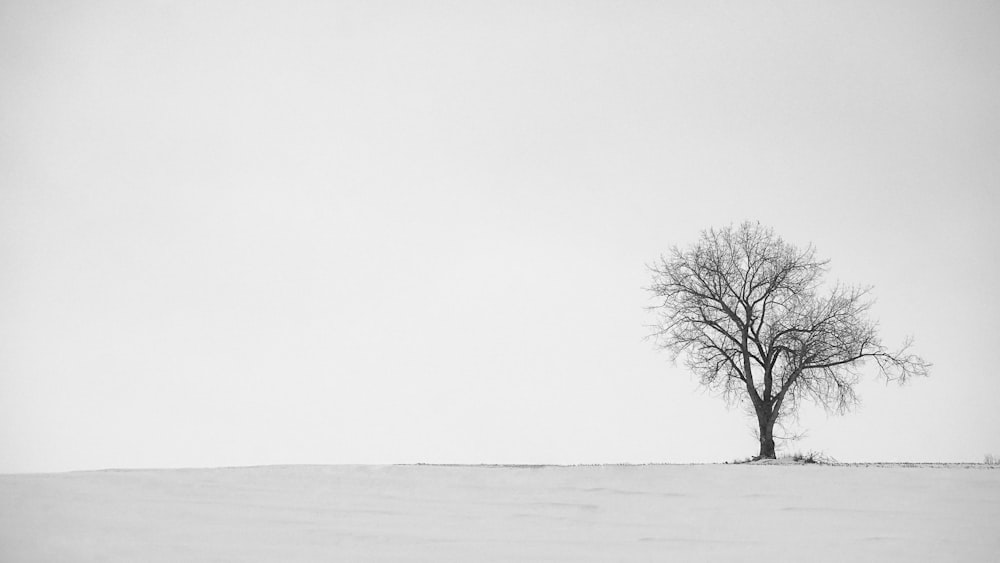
(460, 513)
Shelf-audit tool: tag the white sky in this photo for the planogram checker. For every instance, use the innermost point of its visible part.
(361, 232)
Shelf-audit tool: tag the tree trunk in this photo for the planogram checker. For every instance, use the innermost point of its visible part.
(766, 426)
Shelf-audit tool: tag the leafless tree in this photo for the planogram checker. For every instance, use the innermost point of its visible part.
(751, 316)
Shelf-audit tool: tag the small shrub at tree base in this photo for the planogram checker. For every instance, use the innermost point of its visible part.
(813, 457)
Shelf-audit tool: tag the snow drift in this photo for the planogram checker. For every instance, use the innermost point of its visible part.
(505, 513)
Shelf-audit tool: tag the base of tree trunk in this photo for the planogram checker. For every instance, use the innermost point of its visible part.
(766, 441)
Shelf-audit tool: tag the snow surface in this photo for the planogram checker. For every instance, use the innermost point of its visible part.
(505, 513)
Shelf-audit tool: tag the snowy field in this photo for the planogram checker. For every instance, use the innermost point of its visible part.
(455, 513)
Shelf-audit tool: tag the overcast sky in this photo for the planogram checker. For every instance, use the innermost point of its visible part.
(378, 232)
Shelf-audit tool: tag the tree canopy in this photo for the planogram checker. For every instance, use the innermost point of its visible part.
(752, 317)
